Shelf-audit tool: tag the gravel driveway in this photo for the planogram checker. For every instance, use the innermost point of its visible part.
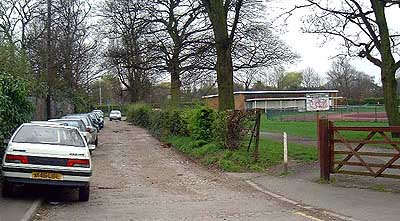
(136, 179)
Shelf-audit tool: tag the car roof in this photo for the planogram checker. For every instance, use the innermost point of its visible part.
(48, 125)
(66, 119)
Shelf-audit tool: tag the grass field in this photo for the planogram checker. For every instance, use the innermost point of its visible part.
(309, 129)
(271, 153)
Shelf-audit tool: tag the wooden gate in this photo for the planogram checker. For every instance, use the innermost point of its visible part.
(330, 137)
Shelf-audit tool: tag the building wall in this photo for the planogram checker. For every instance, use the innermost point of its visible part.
(240, 103)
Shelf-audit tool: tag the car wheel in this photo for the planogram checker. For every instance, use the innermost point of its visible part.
(110, 119)
(96, 141)
(7, 189)
(84, 193)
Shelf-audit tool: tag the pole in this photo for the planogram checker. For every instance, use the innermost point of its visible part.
(48, 60)
(100, 93)
(324, 149)
(285, 153)
(258, 121)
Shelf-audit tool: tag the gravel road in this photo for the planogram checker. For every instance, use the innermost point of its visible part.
(136, 179)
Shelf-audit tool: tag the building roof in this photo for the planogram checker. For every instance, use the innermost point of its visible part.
(278, 92)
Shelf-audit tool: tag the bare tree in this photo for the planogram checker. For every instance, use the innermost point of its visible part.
(311, 79)
(184, 38)
(364, 28)
(131, 53)
(341, 76)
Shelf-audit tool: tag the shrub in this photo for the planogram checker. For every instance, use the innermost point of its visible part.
(177, 124)
(231, 128)
(200, 123)
(15, 108)
(139, 115)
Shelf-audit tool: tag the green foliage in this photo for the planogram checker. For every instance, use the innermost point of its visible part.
(139, 114)
(15, 108)
(200, 123)
(291, 80)
(212, 154)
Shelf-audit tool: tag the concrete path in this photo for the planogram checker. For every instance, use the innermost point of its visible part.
(15, 209)
(137, 179)
(358, 204)
(356, 197)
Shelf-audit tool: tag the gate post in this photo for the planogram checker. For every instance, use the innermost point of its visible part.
(324, 149)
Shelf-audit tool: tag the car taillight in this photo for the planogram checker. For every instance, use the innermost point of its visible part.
(16, 159)
(78, 163)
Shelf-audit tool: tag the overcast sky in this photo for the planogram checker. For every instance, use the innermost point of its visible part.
(309, 47)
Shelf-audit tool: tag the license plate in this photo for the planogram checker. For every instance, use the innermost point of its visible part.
(47, 176)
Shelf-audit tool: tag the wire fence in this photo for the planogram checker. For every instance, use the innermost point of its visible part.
(374, 113)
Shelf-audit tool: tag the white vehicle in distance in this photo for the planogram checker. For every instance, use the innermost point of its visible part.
(52, 155)
(115, 115)
(78, 123)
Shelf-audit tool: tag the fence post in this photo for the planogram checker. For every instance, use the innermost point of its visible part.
(324, 149)
(257, 136)
(285, 153)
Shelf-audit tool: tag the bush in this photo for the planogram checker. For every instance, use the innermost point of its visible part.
(200, 121)
(139, 115)
(15, 108)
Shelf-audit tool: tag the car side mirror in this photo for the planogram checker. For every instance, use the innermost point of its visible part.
(90, 129)
(6, 141)
(92, 147)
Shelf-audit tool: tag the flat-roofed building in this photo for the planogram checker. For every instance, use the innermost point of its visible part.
(288, 99)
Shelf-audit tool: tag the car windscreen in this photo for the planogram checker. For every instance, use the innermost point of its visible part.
(85, 119)
(49, 135)
(78, 124)
(115, 112)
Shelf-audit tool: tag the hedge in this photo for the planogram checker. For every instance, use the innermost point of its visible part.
(201, 123)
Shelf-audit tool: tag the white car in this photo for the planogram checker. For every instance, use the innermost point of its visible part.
(115, 115)
(53, 155)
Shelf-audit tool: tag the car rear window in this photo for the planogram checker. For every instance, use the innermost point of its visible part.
(77, 124)
(49, 135)
(115, 112)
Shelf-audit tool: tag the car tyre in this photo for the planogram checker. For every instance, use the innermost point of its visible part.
(84, 193)
(7, 189)
(96, 142)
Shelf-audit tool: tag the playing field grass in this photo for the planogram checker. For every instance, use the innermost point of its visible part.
(309, 129)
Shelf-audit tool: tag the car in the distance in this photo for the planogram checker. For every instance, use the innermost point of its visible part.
(53, 155)
(115, 115)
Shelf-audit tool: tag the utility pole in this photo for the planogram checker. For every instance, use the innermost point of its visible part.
(48, 60)
(100, 92)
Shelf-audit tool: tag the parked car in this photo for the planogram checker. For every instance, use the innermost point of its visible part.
(78, 123)
(100, 112)
(89, 126)
(100, 118)
(96, 119)
(53, 155)
(115, 115)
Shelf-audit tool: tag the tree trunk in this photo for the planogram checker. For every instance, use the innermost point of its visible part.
(218, 17)
(173, 69)
(175, 88)
(225, 77)
(390, 95)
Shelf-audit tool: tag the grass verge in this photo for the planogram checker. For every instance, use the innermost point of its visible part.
(211, 154)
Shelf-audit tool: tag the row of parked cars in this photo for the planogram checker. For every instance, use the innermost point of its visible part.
(55, 152)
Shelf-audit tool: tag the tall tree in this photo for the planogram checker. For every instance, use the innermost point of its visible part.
(217, 11)
(365, 30)
(183, 37)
